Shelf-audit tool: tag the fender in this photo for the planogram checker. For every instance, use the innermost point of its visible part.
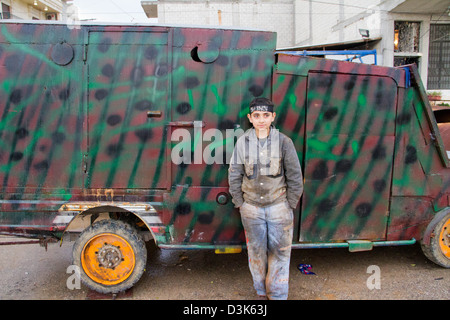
(428, 231)
(145, 211)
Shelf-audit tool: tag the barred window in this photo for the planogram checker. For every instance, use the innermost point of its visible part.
(406, 43)
(6, 11)
(439, 57)
(406, 36)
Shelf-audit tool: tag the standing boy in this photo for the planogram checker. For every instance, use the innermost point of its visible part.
(266, 184)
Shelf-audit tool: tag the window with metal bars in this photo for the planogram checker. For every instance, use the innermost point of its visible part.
(6, 11)
(406, 36)
(439, 57)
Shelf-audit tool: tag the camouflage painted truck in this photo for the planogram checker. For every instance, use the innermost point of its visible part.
(92, 117)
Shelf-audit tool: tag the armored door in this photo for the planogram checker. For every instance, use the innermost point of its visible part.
(349, 154)
(128, 90)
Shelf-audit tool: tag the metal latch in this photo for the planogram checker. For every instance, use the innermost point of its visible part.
(154, 114)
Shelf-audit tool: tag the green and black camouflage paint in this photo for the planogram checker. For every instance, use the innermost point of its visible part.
(74, 130)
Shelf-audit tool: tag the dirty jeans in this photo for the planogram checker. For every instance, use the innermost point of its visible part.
(268, 232)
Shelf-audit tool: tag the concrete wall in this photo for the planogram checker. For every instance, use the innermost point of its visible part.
(262, 15)
(307, 22)
(26, 11)
(334, 21)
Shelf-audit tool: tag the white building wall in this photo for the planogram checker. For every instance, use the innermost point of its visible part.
(297, 22)
(19, 9)
(387, 43)
(274, 16)
(308, 22)
(26, 11)
(334, 21)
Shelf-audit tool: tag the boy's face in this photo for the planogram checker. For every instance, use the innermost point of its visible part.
(261, 120)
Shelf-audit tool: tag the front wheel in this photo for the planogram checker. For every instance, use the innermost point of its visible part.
(111, 256)
(438, 250)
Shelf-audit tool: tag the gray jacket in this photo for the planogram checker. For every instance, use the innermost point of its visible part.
(266, 172)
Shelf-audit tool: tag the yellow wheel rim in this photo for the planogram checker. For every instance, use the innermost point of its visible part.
(108, 259)
(444, 239)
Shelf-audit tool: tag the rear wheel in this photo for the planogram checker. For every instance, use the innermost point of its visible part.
(111, 256)
(438, 250)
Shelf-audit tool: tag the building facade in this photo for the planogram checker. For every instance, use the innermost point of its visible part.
(402, 31)
(33, 9)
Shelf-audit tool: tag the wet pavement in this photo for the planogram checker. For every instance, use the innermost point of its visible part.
(393, 273)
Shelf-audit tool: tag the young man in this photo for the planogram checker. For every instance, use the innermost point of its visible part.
(266, 183)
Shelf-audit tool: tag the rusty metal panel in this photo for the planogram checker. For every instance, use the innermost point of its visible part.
(128, 76)
(41, 121)
(421, 178)
(194, 216)
(302, 66)
(409, 216)
(88, 115)
(348, 157)
(418, 164)
(217, 93)
(91, 110)
(289, 96)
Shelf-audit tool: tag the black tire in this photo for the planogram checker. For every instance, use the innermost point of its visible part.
(111, 256)
(438, 250)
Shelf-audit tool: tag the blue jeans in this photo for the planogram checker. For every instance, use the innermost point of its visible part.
(268, 233)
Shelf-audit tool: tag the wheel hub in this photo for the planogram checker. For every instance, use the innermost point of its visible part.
(108, 259)
(444, 239)
(109, 256)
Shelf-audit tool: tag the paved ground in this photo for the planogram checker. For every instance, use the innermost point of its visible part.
(29, 272)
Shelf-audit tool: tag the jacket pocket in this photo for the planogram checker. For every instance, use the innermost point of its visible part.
(249, 168)
(275, 166)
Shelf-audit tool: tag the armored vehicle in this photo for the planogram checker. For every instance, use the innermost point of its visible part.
(113, 135)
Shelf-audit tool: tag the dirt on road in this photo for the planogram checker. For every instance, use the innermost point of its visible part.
(392, 273)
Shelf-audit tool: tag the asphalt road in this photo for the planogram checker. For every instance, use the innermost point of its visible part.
(29, 272)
